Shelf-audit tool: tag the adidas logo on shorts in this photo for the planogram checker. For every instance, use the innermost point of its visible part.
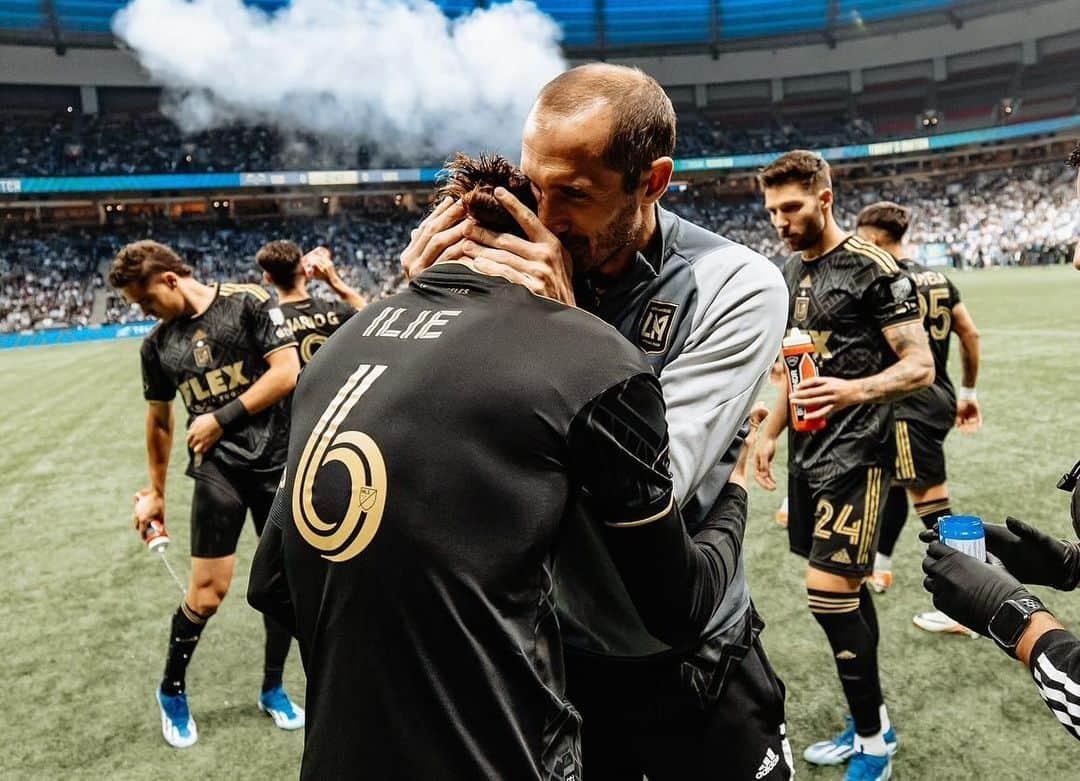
(841, 557)
(768, 764)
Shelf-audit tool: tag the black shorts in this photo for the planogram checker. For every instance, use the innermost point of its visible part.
(220, 503)
(836, 523)
(680, 718)
(920, 455)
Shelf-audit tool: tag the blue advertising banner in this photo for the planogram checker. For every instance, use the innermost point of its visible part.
(95, 333)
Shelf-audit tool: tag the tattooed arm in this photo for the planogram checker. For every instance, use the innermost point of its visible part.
(913, 371)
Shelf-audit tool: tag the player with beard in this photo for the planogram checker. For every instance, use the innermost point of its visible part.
(924, 419)
(707, 314)
(311, 320)
(861, 311)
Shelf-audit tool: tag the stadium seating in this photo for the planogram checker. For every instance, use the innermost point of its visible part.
(49, 277)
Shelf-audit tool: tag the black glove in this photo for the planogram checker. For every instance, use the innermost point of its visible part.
(1075, 507)
(966, 589)
(1034, 557)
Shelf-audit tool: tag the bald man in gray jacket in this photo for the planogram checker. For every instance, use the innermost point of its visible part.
(709, 315)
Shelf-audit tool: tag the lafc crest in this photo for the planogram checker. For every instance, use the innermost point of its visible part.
(656, 326)
(802, 308)
(201, 350)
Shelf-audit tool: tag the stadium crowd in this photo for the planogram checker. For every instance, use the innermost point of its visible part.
(1004, 217)
(120, 144)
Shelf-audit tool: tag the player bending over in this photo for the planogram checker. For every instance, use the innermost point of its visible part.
(233, 359)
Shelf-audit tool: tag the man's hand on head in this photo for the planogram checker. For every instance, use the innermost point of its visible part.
(539, 262)
(439, 237)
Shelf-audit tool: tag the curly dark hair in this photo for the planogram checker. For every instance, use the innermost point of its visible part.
(1073, 159)
(139, 261)
(473, 182)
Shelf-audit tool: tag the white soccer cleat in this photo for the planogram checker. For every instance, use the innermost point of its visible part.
(938, 623)
(285, 713)
(177, 726)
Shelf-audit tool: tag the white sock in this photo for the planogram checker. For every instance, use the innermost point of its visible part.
(882, 562)
(883, 713)
(871, 744)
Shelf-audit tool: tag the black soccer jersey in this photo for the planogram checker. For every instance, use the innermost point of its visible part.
(312, 321)
(214, 357)
(438, 442)
(934, 406)
(844, 300)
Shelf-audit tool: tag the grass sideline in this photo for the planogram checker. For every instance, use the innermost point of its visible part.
(86, 609)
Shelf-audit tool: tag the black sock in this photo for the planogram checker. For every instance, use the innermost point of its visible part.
(855, 654)
(187, 627)
(277, 650)
(869, 615)
(931, 510)
(893, 517)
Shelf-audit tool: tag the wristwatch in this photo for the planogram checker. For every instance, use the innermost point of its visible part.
(1010, 620)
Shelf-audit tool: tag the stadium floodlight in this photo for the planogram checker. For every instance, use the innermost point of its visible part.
(1008, 108)
(928, 119)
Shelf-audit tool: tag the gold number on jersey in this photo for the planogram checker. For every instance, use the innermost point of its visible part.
(940, 316)
(346, 537)
(824, 515)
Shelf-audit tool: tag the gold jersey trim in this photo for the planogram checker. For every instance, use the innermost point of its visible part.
(234, 288)
(886, 261)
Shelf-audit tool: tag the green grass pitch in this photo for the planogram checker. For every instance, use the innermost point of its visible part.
(85, 610)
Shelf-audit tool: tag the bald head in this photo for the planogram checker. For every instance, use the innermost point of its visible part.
(638, 114)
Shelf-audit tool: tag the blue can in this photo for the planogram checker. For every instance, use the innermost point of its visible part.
(965, 533)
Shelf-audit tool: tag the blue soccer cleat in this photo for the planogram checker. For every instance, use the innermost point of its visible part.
(177, 726)
(841, 748)
(869, 767)
(285, 714)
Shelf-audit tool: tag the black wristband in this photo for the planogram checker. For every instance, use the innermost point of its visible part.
(228, 415)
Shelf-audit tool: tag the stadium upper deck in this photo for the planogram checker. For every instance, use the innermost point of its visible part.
(586, 24)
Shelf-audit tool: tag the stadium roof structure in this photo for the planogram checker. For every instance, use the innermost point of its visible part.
(590, 27)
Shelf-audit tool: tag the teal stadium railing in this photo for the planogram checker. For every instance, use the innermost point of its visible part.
(147, 183)
(585, 23)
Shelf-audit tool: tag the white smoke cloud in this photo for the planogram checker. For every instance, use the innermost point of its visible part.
(396, 73)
